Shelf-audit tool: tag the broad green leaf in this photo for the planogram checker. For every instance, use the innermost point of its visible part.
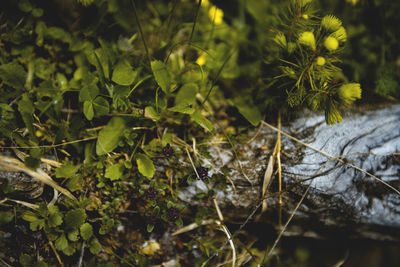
(75, 218)
(101, 106)
(13, 74)
(114, 172)
(61, 242)
(59, 34)
(162, 76)
(73, 235)
(203, 122)
(187, 94)
(67, 170)
(95, 246)
(247, 108)
(86, 231)
(88, 92)
(183, 108)
(145, 165)
(36, 225)
(110, 136)
(123, 73)
(150, 112)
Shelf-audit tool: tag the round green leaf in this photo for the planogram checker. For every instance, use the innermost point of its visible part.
(101, 106)
(86, 231)
(123, 73)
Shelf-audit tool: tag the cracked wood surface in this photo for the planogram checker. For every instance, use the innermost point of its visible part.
(340, 196)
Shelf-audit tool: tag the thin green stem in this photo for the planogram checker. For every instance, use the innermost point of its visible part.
(141, 31)
(195, 20)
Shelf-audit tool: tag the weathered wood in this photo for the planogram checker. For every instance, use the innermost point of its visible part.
(340, 196)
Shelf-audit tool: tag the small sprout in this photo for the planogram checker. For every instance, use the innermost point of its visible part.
(202, 172)
(331, 43)
(173, 214)
(340, 34)
(348, 93)
(216, 15)
(307, 39)
(168, 151)
(320, 61)
(331, 23)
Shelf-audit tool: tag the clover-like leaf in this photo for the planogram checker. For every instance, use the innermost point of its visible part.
(123, 73)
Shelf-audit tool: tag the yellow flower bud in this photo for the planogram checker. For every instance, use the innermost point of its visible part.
(331, 23)
(204, 3)
(340, 34)
(331, 43)
(348, 93)
(38, 133)
(305, 16)
(321, 61)
(201, 60)
(307, 39)
(216, 15)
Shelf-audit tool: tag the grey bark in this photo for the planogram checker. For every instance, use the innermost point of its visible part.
(340, 197)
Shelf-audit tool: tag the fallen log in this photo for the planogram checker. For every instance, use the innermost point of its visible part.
(351, 171)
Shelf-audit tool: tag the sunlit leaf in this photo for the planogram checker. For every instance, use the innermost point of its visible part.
(145, 165)
(123, 73)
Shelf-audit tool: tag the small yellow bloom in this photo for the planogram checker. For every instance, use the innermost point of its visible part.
(307, 39)
(305, 16)
(38, 133)
(321, 61)
(331, 43)
(340, 34)
(348, 93)
(331, 23)
(216, 15)
(201, 60)
(150, 248)
(204, 3)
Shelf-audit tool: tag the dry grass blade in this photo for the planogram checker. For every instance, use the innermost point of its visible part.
(12, 164)
(26, 204)
(191, 227)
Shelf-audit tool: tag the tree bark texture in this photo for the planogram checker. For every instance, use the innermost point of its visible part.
(341, 197)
